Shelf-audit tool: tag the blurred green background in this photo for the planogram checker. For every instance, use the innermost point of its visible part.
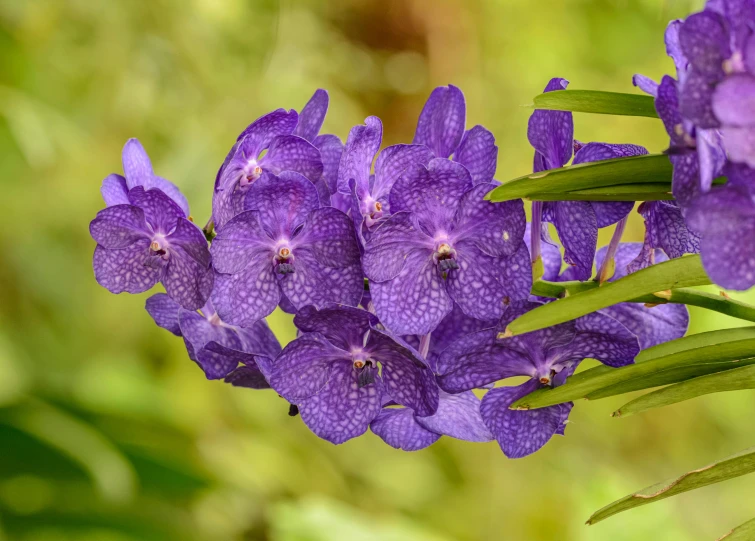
(109, 432)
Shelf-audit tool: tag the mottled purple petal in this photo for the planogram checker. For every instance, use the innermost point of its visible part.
(602, 338)
(646, 84)
(520, 433)
(262, 131)
(259, 339)
(136, 165)
(577, 228)
(407, 380)
(118, 227)
(695, 100)
(243, 298)
(704, 40)
(164, 311)
(313, 115)
(305, 365)
(667, 106)
(740, 144)
(609, 212)
(454, 326)
(329, 234)
(160, 211)
(441, 123)
(551, 133)
(685, 180)
(415, 300)
(674, 49)
(114, 190)
(125, 269)
(390, 244)
(652, 326)
(344, 326)
(431, 193)
(331, 149)
(665, 228)
(284, 202)
(360, 149)
(187, 281)
(247, 376)
(479, 154)
(593, 152)
(497, 229)
(710, 152)
(239, 242)
(734, 100)
(458, 416)
(392, 162)
(292, 153)
(191, 240)
(398, 428)
(342, 409)
(317, 284)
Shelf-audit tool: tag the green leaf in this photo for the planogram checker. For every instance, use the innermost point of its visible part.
(731, 380)
(648, 169)
(599, 102)
(743, 532)
(729, 468)
(657, 191)
(681, 272)
(705, 348)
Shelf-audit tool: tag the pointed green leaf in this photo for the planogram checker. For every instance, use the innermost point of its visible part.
(648, 169)
(599, 102)
(729, 468)
(730, 380)
(705, 348)
(657, 191)
(743, 532)
(681, 272)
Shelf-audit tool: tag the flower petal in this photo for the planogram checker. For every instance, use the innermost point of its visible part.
(674, 48)
(392, 162)
(577, 228)
(160, 211)
(243, 298)
(441, 122)
(646, 84)
(356, 161)
(740, 144)
(187, 280)
(479, 154)
(458, 416)
(114, 190)
(247, 376)
(259, 340)
(164, 311)
(136, 165)
(331, 149)
(342, 409)
(602, 338)
(344, 326)
(172, 191)
(125, 270)
(312, 115)
(239, 242)
(734, 100)
(520, 433)
(329, 235)
(398, 428)
(695, 100)
(292, 153)
(390, 244)
(704, 40)
(551, 133)
(666, 229)
(283, 201)
(118, 227)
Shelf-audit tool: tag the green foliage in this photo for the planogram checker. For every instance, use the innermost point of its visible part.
(743, 532)
(597, 101)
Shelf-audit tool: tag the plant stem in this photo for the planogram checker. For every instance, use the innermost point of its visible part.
(608, 266)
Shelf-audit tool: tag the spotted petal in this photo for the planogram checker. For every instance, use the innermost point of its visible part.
(114, 190)
(441, 122)
(160, 211)
(292, 153)
(240, 242)
(398, 428)
(125, 269)
(458, 416)
(331, 149)
(356, 161)
(119, 226)
(312, 115)
(577, 228)
(392, 162)
(283, 201)
(164, 311)
(603, 338)
(390, 244)
(551, 133)
(245, 297)
(479, 154)
(344, 326)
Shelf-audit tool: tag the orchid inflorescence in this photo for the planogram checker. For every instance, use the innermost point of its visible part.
(403, 278)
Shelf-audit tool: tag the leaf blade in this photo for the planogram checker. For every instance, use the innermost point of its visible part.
(743, 532)
(597, 102)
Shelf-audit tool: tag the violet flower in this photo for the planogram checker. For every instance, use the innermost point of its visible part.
(284, 244)
(342, 367)
(243, 356)
(444, 243)
(547, 357)
(149, 240)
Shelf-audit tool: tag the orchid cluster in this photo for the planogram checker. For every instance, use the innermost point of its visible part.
(709, 113)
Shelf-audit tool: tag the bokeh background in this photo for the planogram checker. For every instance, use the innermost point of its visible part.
(109, 433)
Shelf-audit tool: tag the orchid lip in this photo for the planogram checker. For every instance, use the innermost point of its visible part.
(250, 173)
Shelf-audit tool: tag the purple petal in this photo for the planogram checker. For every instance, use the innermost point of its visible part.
(458, 416)
(114, 190)
(593, 152)
(441, 123)
(125, 269)
(397, 427)
(479, 154)
(160, 211)
(520, 433)
(344, 326)
(137, 165)
(405, 377)
(577, 228)
(259, 340)
(685, 180)
(312, 115)
(164, 311)
(454, 326)
(652, 326)
(667, 106)
(447, 181)
(187, 281)
(734, 100)
(696, 101)
(497, 229)
(415, 300)
(390, 244)
(392, 162)
(674, 49)
(283, 201)
(331, 149)
(646, 84)
(551, 133)
(247, 376)
(262, 131)
(740, 144)
(213, 347)
(609, 212)
(239, 242)
(248, 296)
(118, 227)
(329, 234)
(305, 365)
(665, 228)
(191, 240)
(172, 191)
(292, 153)
(704, 40)
(726, 218)
(712, 156)
(602, 338)
(361, 146)
(549, 253)
(478, 359)
(342, 409)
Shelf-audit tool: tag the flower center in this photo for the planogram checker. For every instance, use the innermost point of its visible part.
(445, 258)
(159, 247)
(372, 211)
(734, 64)
(283, 261)
(251, 172)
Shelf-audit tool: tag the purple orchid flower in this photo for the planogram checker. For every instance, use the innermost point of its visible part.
(725, 217)
(458, 415)
(551, 133)
(547, 357)
(138, 171)
(369, 193)
(441, 129)
(342, 367)
(243, 356)
(287, 138)
(444, 243)
(149, 240)
(284, 244)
